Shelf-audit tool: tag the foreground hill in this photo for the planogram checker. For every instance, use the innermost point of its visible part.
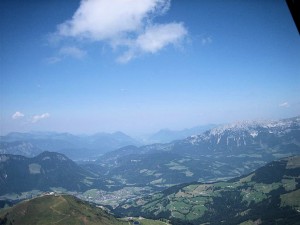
(270, 195)
(217, 154)
(62, 210)
(43, 172)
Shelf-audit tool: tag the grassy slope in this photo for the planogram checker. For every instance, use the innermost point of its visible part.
(61, 210)
(56, 210)
(277, 184)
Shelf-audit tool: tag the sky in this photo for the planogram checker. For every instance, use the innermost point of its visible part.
(139, 66)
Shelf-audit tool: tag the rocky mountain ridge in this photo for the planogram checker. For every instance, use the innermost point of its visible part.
(220, 153)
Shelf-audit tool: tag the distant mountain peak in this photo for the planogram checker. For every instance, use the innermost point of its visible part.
(242, 130)
(250, 125)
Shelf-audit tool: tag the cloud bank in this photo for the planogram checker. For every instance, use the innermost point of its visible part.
(37, 118)
(124, 24)
(17, 115)
(72, 51)
(284, 104)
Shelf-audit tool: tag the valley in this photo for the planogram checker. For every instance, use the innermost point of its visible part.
(273, 189)
(191, 180)
(217, 154)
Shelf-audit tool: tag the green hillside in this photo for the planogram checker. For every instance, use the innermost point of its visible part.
(270, 195)
(47, 170)
(62, 210)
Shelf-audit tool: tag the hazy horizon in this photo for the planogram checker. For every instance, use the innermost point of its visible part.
(139, 66)
(145, 134)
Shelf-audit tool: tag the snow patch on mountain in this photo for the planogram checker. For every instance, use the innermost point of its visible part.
(241, 131)
(254, 133)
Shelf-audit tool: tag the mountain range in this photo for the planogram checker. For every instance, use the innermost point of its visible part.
(46, 172)
(75, 147)
(217, 154)
(167, 135)
(269, 195)
(84, 147)
(122, 179)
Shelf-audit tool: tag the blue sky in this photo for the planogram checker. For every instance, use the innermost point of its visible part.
(141, 65)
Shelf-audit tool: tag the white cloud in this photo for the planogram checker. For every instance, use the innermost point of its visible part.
(53, 60)
(154, 39)
(68, 51)
(284, 104)
(72, 52)
(37, 118)
(125, 24)
(17, 115)
(206, 40)
(108, 19)
(158, 36)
